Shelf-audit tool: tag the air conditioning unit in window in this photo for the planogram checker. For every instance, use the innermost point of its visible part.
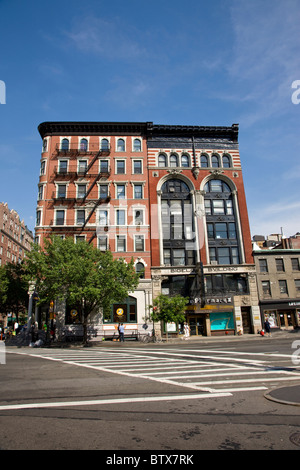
(214, 263)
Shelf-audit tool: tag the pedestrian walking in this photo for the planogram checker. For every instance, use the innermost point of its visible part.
(268, 327)
(121, 331)
(186, 331)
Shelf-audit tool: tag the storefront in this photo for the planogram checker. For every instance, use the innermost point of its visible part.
(212, 320)
(281, 315)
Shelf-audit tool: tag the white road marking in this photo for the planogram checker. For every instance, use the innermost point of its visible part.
(198, 396)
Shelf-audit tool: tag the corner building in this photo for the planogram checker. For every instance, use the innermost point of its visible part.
(171, 197)
(200, 237)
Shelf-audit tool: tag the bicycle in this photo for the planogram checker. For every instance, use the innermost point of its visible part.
(149, 338)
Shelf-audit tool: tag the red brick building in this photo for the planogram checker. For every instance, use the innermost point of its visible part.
(171, 197)
(15, 237)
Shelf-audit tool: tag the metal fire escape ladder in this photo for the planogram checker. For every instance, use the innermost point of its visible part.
(92, 162)
(91, 213)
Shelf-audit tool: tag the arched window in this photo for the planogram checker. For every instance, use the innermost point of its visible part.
(221, 223)
(140, 269)
(137, 146)
(104, 144)
(226, 161)
(173, 160)
(162, 160)
(83, 144)
(121, 145)
(185, 161)
(177, 224)
(204, 161)
(65, 144)
(215, 162)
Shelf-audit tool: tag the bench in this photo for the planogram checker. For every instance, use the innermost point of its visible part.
(111, 332)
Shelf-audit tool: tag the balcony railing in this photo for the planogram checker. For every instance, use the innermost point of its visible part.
(78, 149)
(74, 172)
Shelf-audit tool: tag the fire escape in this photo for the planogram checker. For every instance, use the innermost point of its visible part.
(72, 174)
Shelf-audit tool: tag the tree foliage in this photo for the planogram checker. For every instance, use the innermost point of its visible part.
(13, 289)
(89, 278)
(169, 309)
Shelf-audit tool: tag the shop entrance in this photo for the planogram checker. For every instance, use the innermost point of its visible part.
(246, 319)
(196, 324)
(287, 319)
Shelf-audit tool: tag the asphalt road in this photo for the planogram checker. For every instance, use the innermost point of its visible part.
(172, 399)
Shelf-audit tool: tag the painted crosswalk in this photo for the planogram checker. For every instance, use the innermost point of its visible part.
(203, 370)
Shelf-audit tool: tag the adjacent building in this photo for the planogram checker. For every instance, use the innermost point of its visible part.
(170, 197)
(278, 279)
(15, 237)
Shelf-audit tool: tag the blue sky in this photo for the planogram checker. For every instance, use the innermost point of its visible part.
(170, 62)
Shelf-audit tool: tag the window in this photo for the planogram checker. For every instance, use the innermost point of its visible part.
(177, 223)
(185, 161)
(81, 191)
(120, 169)
(80, 216)
(215, 163)
(61, 190)
(173, 160)
(178, 257)
(45, 145)
(226, 161)
(40, 193)
(162, 161)
(79, 238)
(138, 191)
(65, 144)
(38, 218)
(43, 166)
(137, 145)
(140, 269)
(139, 243)
(283, 286)
(138, 217)
(121, 243)
(279, 265)
(82, 166)
(60, 217)
(103, 217)
(83, 145)
(121, 145)
(63, 166)
(120, 216)
(102, 243)
(297, 286)
(103, 191)
(266, 288)
(263, 265)
(204, 161)
(295, 264)
(120, 191)
(137, 167)
(104, 144)
(222, 236)
(103, 166)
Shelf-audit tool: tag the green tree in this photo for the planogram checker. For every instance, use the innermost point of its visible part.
(13, 290)
(89, 278)
(169, 309)
(3, 290)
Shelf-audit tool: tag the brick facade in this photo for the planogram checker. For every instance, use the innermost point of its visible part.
(122, 186)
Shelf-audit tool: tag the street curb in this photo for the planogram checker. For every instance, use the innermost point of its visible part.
(268, 396)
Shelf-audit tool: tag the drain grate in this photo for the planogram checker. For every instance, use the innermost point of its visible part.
(295, 438)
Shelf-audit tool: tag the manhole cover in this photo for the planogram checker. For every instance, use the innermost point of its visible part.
(295, 438)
